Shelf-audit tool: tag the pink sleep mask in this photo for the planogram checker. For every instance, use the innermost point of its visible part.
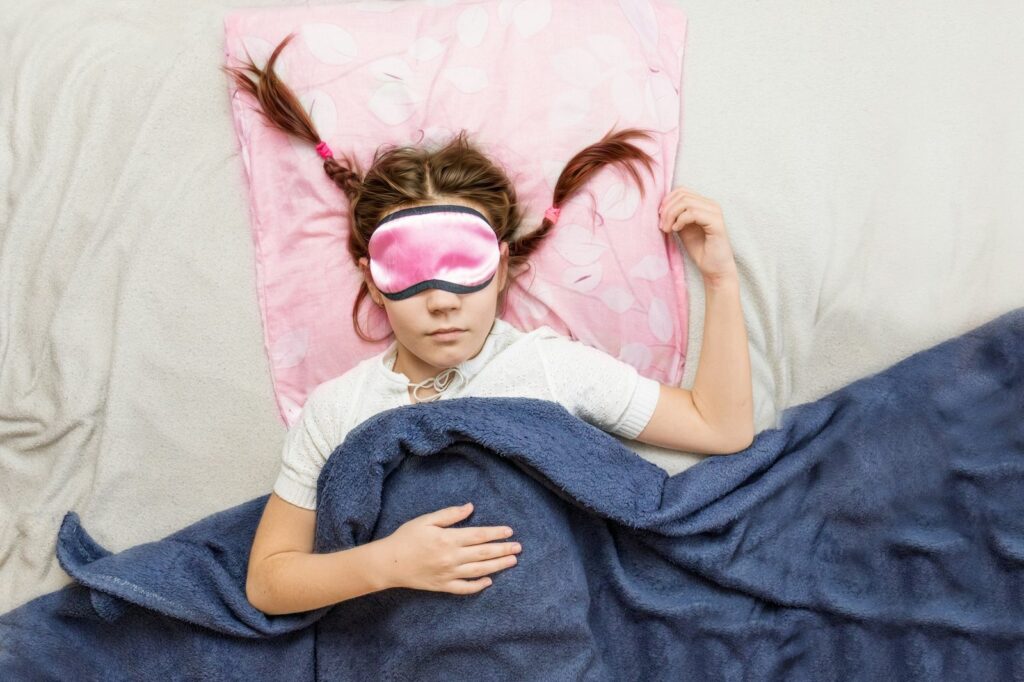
(444, 246)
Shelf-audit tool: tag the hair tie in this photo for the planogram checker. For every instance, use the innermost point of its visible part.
(323, 150)
(552, 213)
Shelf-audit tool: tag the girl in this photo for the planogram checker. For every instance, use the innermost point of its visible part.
(431, 232)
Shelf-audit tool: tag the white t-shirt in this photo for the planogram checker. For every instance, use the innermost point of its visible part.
(591, 384)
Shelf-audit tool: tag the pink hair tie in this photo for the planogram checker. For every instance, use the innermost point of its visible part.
(552, 214)
(323, 150)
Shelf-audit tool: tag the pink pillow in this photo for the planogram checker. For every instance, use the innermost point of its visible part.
(533, 82)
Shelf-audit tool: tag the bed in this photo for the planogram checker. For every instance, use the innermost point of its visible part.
(867, 159)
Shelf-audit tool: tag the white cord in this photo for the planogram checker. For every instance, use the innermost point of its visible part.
(439, 383)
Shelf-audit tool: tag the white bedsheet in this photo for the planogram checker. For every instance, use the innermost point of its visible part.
(868, 158)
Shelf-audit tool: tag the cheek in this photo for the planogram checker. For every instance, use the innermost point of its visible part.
(402, 316)
(484, 300)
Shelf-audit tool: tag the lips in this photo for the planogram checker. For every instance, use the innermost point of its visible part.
(450, 329)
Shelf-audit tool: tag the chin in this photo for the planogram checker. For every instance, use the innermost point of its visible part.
(445, 354)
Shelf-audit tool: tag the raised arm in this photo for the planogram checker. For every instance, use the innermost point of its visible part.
(717, 415)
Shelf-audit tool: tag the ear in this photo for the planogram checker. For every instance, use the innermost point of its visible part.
(364, 267)
(503, 266)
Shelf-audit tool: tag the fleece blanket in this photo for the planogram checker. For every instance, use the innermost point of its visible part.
(878, 533)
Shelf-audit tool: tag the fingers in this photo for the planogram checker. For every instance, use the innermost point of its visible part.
(688, 216)
(465, 536)
(473, 576)
(468, 586)
(684, 197)
(675, 221)
(487, 558)
(489, 550)
(678, 205)
(475, 535)
(471, 535)
(675, 194)
(449, 515)
(476, 569)
(683, 207)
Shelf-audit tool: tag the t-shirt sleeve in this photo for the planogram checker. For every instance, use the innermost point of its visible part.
(598, 387)
(306, 449)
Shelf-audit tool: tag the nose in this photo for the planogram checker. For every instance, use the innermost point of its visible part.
(440, 299)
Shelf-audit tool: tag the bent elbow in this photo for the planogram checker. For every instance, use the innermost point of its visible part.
(255, 594)
(251, 595)
(737, 445)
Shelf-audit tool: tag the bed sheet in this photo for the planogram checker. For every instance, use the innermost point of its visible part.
(867, 158)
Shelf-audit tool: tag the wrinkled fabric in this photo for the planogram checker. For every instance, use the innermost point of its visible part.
(878, 533)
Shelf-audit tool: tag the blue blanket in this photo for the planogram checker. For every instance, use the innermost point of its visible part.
(878, 533)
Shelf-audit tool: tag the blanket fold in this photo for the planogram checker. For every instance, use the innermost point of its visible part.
(877, 533)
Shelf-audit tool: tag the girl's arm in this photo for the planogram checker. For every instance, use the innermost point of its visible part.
(717, 415)
(296, 581)
(285, 576)
(722, 389)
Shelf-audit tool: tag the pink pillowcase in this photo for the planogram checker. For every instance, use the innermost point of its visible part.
(533, 82)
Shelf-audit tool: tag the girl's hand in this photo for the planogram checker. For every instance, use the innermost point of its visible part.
(425, 555)
(702, 229)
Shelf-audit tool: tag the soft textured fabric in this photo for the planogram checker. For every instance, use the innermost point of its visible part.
(878, 533)
(589, 383)
(533, 84)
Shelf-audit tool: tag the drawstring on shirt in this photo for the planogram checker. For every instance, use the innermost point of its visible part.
(439, 383)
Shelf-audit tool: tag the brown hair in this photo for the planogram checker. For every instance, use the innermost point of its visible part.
(414, 175)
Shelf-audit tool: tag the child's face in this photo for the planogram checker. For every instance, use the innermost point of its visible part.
(414, 318)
